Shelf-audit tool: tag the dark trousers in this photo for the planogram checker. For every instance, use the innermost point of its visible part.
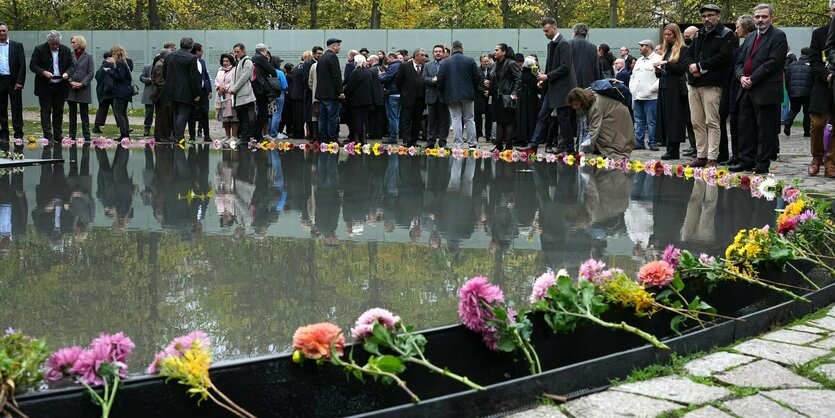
(734, 134)
(298, 119)
(8, 95)
(378, 123)
(359, 122)
(410, 119)
(758, 138)
(120, 112)
(438, 124)
(81, 110)
(483, 125)
(286, 118)
(201, 115)
(723, 136)
(149, 115)
(691, 135)
(181, 113)
(504, 134)
(101, 113)
(244, 114)
(563, 121)
(796, 104)
(164, 120)
(51, 102)
(262, 115)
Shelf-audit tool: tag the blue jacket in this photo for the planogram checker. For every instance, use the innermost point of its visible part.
(388, 78)
(122, 81)
(459, 77)
(799, 78)
(206, 82)
(282, 78)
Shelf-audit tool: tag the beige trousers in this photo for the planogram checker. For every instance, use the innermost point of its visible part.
(704, 114)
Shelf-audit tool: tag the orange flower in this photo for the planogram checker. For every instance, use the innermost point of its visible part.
(656, 273)
(314, 341)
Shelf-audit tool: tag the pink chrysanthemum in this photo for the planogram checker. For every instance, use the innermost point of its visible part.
(706, 259)
(671, 255)
(807, 215)
(542, 283)
(88, 363)
(790, 195)
(60, 362)
(788, 226)
(472, 310)
(365, 323)
(656, 273)
(119, 345)
(591, 270)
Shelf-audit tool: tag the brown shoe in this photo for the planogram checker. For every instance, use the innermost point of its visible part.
(698, 162)
(829, 170)
(711, 163)
(814, 167)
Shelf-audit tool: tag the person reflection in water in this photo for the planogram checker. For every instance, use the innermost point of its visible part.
(327, 199)
(80, 182)
(115, 187)
(13, 210)
(51, 215)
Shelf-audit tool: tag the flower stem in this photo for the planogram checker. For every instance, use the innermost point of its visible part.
(808, 280)
(14, 409)
(445, 372)
(95, 395)
(534, 365)
(629, 328)
(233, 404)
(765, 285)
(377, 372)
(223, 405)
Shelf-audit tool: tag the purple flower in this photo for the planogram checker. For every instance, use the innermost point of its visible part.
(807, 215)
(119, 345)
(472, 298)
(152, 368)
(87, 365)
(59, 363)
(790, 195)
(706, 259)
(591, 270)
(365, 323)
(10, 331)
(671, 255)
(541, 285)
(185, 342)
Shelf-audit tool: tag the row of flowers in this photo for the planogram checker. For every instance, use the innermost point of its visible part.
(804, 232)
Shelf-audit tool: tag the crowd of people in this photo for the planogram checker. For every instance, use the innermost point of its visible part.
(691, 86)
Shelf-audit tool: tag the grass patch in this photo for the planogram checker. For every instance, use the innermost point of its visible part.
(673, 366)
(31, 127)
(678, 413)
(808, 371)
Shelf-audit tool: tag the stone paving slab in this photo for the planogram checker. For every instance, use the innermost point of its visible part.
(827, 322)
(716, 362)
(758, 406)
(615, 404)
(827, 344)
(764, 374)
(831, 312)
(779, 352)
(814, 403)
(790, 337)
(676, 389)
(543, 411)
(827, 370)
(707, 412)
(806, 328)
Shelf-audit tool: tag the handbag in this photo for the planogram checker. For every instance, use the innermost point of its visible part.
(508, 103)
(135, 89)
(275, 87)
(227, 110)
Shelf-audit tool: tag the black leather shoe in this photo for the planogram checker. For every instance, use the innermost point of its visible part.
(740, 167)
(787, 129)
(689, 152)
(669, 157)
(761, 169)
(653, 148)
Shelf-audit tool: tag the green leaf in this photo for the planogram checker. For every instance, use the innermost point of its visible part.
(390, 364)
(506, 344)
(676, 322)
(371, 346)
(677, 283)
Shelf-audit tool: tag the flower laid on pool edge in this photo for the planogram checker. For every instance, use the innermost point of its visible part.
(314, 341)
(21, 358)
(365, 323)
(187, 359)
(656, 273)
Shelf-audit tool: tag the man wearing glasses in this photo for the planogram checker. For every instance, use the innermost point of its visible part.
(709, 71)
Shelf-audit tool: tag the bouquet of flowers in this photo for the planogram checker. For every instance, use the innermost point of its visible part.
(21, 357)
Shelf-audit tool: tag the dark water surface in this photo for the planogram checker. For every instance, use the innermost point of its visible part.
(248, 246)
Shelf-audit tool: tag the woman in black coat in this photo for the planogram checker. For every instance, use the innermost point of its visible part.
(672, 92)
(607, 61)
(122, 89)
(528, 102)
(504, 87)
(358, 95)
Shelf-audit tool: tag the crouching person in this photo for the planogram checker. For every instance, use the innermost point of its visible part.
(604, 123)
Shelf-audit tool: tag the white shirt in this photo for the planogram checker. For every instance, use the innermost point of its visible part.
(644, 83)
(5, 65)
(55, 69)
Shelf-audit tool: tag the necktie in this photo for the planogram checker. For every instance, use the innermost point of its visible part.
(419, 69)
(751, 55)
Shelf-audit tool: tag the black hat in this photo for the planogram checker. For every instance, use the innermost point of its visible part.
(363, 49)
(711, 7)
(333, 41)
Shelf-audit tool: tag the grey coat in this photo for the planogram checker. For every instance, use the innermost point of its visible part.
(145, 78)
(433, 93)
(242, 87)
(83, 74)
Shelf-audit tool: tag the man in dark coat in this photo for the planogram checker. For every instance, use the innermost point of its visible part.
(459, 77)
(260, 86)
(759, 69)
(438, 121)
(799, 86)
(52, 63)
(584, 57)
(201, 112)
(182, 85)
(329, 91)
(12, 79)
(559, 79)
(297, 102)
(412, 96)
(308, 94)
(483, 116)
(104, 91)
(820, 99)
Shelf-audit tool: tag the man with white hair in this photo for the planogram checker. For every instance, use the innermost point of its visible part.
(329, 91)
(52, 63)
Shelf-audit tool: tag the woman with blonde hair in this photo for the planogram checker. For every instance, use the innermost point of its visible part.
(673, 109)
(79, 97)
(122, 88)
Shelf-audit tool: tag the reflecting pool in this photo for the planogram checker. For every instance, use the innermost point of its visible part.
(248, 246)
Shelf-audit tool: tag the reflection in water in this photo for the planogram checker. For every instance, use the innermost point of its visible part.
(298, 237)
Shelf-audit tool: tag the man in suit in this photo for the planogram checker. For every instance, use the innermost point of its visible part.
(622, 73)
(12, 79)
(412, 96)
(820, 100)
(483, 119)
(312, 128)
(297, 102)
(759, 69)
(52, 63)
(201, 112)
(458, 78)
(584, 57)
(145, 78)
(438, 121)
(559, 79)
(182, 85)
(329, 91)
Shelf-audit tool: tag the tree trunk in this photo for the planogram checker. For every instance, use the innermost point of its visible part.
(153, 14)
(613, 13)
(137, 15)
(727, 12)
(376, 16)
(314, 6)
(505, 13)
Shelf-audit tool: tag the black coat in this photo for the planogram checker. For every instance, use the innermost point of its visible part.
(799, 78)
(328, 77)
(560, 71)
(527, 106)
(584, 59)
(122, 81)
(712, 52)
(17, 63)
(673, 109)
(42, 61)
(820, 100)
(459, 78)
(297, 87)
(263, 70)
(623, 75)
(412, 90)
(182, 81)
(104, 84)
(505, 81)
(766, 66)
(480, 98)
(607, 69)
(359, 88)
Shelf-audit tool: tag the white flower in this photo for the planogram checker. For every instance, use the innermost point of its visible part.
(768, 188)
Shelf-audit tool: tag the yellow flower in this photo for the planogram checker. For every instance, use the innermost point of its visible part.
(477, 153)
(570, 159)
(638, 166)
(721, 173)
(601, 162)
(31, 138)
(376, 149)
(688, 172)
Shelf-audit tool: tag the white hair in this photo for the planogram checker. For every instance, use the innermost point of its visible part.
(53, 35)
(529, 62)
(359, 60)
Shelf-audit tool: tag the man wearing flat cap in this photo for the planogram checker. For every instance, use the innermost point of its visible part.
(644, 88)
(710, 66)
(329, 91)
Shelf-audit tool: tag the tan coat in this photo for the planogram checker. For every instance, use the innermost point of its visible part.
(610, 128)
